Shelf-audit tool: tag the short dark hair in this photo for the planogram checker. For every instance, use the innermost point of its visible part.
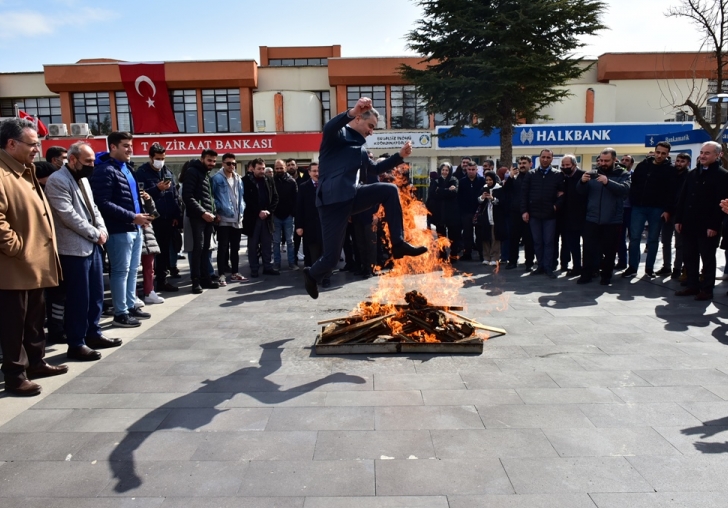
(313, 164)
(546, 150)
(489, 162)
(524, 158)
(13, 129)
(228, 156)
(684, 156)
(208, 153)
(117, 137)
(55, 151)
(290, 159)
(665, 144)
(156, 149)
(257, 161)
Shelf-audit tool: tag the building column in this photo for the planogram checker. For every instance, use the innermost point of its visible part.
(341, 102)
(246, 109)
(67, 108)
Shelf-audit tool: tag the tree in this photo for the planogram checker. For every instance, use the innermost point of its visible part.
(711, 19)
(498, 61)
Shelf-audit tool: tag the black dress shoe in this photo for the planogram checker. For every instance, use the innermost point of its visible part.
(209, 284)
(45, 370)
(510, 266)
(310, 283)
(83, 353)
(271, 271)
(102, 342)
(26, 388)
(139, 314)
(326, 283)
(405, 249)
(167, 288)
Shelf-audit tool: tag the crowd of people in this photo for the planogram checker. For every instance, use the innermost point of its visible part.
(63, 220)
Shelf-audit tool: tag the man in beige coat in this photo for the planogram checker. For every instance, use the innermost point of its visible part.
(28, 260)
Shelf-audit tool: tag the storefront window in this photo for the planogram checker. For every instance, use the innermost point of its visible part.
(221, 110)
(123, 113)
(93, 108)
(408, 109)
(184, 104)
(377, 94)
(46, 109)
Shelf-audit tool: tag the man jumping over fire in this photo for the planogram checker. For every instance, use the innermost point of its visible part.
(341, 156)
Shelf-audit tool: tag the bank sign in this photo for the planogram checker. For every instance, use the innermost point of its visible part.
(542, 135)
(397, 139)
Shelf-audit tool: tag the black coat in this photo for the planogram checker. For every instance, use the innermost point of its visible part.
(167, 202)
(197, 191)
(653, 185)
(252, 203)
(698, 209)
(541, 193)
(573, 214)
(512, 188)
(500, 217)
(307, 216)
(287, 190)
(447, 201)
(468, 193)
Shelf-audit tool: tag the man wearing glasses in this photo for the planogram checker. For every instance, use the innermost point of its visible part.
(28, 260)
(227, 191)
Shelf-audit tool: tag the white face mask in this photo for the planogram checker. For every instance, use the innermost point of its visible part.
(64, 162)
(158, 164)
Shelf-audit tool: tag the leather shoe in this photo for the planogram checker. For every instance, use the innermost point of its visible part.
(26, 388)
(45, 370)
(703, 296)
(167, 287)
(405, 249)
(83, 353)
(102, 342)
(271, 271)
(687, 292)
(310, 283)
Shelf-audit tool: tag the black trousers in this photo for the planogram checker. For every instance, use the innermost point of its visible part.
(201, 234)
(335, 217)
(365, 235)
(601, 242)
(260, 240)
(228, 248)
(520, 230)
(21, 333)
(163, 231)
(469, 235)
(697, 247)
(55, 306)
(572, 247)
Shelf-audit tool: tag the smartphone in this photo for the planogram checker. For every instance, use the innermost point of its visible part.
(593, 174)
(141, 186)
(167, 180)
(155, 214)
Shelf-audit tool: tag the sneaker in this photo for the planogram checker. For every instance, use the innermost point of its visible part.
(209, 284)
(292, 267)
(650, 274)
(126, 321)
(276, 266)
(167, 287)
(629, 272)
(236, 277)
(138, 303)
(196, 288)
(222, 282)
(174, 273)
(139, 314)
(153, 297)
(494, 263)
(485, 263)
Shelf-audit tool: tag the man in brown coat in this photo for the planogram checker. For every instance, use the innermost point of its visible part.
(28, 260)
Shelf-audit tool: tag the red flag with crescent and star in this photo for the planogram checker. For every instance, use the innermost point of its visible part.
(146, 89)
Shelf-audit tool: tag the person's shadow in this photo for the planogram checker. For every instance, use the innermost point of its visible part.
(121, 459)
(708, 429)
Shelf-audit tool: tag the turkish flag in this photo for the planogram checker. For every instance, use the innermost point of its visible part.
(40, 126)
(146, 89)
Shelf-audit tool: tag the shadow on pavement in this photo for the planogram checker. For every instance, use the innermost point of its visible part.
(709, 429)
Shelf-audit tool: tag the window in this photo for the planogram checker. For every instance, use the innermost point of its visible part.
(46, 109)
(441, 119)
(325, 98)
(221, 110)
(123, 113)
(408, 109)
(377, 94)
(184, 105)
(94, 109)
(298, 62)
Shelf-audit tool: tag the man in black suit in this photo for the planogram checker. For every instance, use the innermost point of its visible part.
(261, 200)
(342, 156)
(699, 218)
(308, 224)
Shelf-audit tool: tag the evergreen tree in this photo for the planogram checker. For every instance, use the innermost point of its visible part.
(490, 63)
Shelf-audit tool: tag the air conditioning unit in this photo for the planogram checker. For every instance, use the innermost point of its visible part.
(57, 130)
(80, 129)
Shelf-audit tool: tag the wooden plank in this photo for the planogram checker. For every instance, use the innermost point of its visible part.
(356, 326)
(477, 324)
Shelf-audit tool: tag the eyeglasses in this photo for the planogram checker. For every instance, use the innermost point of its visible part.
(35, 145)
(229, 163)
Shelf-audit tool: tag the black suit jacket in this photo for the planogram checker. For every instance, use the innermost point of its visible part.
(252, 206)
(306, 216)
(698, 208)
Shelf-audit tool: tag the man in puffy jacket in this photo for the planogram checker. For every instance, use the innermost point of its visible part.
(200, 209)
(541, 197)
(116, 194)
(605, 190)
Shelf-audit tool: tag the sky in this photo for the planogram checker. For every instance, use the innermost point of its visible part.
(64, 31)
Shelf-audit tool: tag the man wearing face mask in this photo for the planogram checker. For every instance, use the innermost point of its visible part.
(55, 159)
(159, 183)
(80, 233)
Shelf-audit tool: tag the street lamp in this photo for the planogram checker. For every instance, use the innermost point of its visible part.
(720, 98)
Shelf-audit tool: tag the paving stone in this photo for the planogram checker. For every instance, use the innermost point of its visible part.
(19, 479)
(665, 394)
(216, 420)
(115, 369)
(606, 379)
(714, 413)
(207, 368)
(268, 445)
(619, 362)
(706, 473)
(151, 384)
(112, 420)
(661, 500)
(39, 446)
(86, 401)
(523, 501)
(325, 418)
(539, 364)
(533, 416)
(698, 440)
(608, 442)
(39, 420)
(562, 349)
(567, 395)
(491, 351)
(491, 443)
(719, 390)
(357, 445)
(309, 478)
(637, 415)
(85, 384)
(691, 362)
(278, 399)
(691, 377)
(449, 365)
(377, 502)
(441, 477)
(583, 474)
(470, 397)
(510, 380)
(653, 350)
(87, 502)
(375, 398)
(418, 382)
(234, 502)
(150, 446)
(427, 417)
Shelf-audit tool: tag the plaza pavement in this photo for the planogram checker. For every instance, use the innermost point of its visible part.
(598, 397)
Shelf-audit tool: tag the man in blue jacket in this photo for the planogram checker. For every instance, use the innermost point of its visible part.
(342, 155)
(228, 193)
(116, 194)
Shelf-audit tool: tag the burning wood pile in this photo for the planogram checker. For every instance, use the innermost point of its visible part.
(415, 323)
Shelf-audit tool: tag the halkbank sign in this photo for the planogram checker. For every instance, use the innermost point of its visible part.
(550, 135)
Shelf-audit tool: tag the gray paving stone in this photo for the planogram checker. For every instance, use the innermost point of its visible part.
(638, 415)
(706, 473)
(567, 395)
(720, 390)
(492, 351)
(385, 445)
(207, 368)
(20, 479)
(368, 365)
(124, 355)
(216, 420)
(375, 398)
(642, 349)
(418, 382)
(87, 401)
(441, 477)
(691, 377)
(533, 416)
(163, 350)
(470, 397)
(114, 369)
(691, 362)
(268, 445)
(112, 420)
(309, 478)
(661, 500)
(337, 381)
(449, 365)
(278, 399)
(86, 502)
(377, 502)
(606, 379)
(234, 502)
(325, 418)
(709, 413)
(39, 420)
(665, 394)
(539, 364)
(608, 442)
(563, 349)
(151, 384)
(510, 380)
(523, 501)
(43, 446)
(702, 348)
(85, 384)
(619, 362)
(698, 440)
(150, 446)
(491, 443)
(427, 417)
(583, 474)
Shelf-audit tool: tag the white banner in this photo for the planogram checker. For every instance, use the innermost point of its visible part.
(388, 140)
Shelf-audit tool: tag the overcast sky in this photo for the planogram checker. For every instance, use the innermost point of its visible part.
(64, 31)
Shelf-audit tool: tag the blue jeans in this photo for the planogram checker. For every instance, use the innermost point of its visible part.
(544, 240)
(640, 215)
(285, 227)
(125, 254)
(84, 283)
